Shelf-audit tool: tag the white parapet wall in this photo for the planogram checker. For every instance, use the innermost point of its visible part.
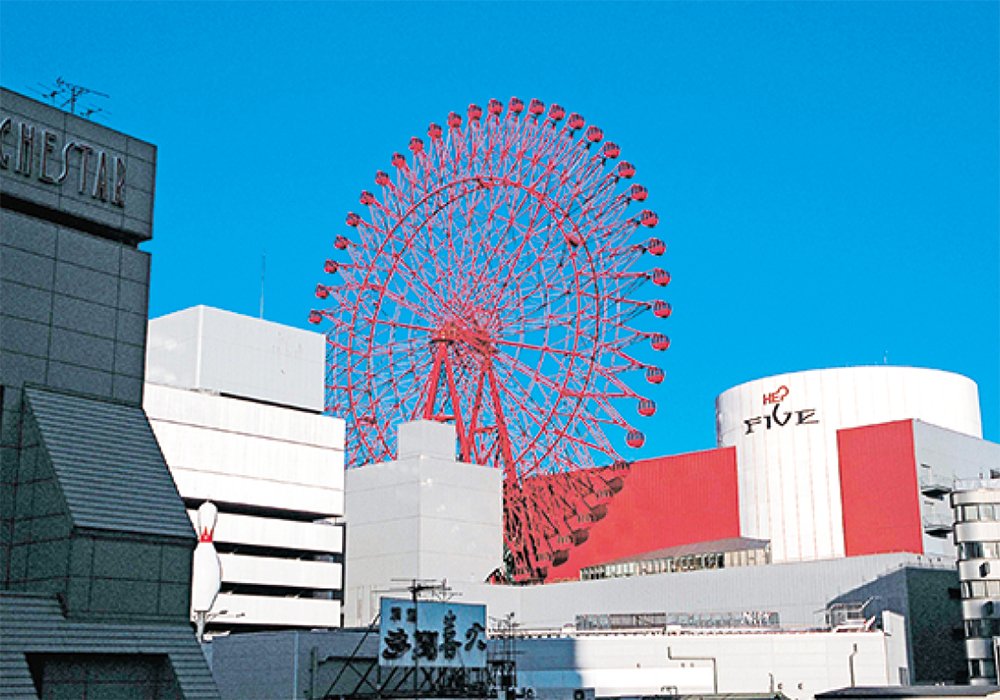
(215, 350)
(784, 429)
(796, 664)
(424, 516)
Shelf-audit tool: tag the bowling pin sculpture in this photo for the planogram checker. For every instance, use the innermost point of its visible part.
(206, 571)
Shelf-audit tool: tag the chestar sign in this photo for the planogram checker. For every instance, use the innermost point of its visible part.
(26, 149)
(776, 418)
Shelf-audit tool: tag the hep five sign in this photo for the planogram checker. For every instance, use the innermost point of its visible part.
(774, 416)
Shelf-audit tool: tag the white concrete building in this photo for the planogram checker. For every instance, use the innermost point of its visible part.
(235, 404)
(785, 430)
(977, 534)
(423, 516)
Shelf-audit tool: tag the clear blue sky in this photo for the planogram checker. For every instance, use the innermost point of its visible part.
(826, 173)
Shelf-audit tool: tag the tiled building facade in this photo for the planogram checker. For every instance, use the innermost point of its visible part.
(95, 545)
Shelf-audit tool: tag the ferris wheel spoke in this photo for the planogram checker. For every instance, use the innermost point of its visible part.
(483, 266)
(538, 413)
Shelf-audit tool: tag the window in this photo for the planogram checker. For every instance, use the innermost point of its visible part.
(979, 550)
(982, 668)
(974, 589)
(977, 512)
(985, 629)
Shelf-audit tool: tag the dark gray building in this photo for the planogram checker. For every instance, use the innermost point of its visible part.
(95, 545)
(929, 601)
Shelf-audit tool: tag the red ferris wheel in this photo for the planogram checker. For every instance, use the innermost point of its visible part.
(491, 282)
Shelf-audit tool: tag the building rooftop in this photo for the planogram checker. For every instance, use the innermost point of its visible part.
(912, 691)
(729, 544)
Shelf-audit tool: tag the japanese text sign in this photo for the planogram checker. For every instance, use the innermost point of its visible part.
(432, 634)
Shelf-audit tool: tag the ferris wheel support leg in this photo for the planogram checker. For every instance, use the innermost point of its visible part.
(433, 380)
(503, 436)
(456, 406)
(474, 420)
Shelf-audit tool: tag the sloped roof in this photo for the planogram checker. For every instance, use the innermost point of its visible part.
(34, 623)
(729, 544)
(108, 464)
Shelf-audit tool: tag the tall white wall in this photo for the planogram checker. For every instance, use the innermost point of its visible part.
(785, 427)
(424, 515)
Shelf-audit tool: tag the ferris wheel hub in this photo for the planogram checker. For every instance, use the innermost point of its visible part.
(468, 333)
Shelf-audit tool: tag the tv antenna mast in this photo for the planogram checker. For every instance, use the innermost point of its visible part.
(70, 94)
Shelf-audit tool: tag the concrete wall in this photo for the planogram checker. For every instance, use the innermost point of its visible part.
(943, 456)
(277, 476)
(798, 592)
(931, 616)
(229, 450)
(796, 664)
(422, 516)
(211, 349)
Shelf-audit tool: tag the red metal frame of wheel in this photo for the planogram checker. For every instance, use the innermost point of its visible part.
(490, 284)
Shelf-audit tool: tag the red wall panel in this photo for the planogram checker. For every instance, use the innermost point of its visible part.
(878, 489)
(664, 502)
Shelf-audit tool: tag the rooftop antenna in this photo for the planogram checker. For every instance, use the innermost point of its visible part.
(70, 94)
(263, 269)
(75, 92)
(47, 92)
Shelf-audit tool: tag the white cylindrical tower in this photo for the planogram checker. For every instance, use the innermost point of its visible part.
(785, 428)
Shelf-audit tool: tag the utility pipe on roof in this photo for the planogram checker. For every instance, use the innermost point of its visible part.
(715, 666)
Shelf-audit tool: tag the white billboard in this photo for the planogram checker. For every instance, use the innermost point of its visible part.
(431, 634)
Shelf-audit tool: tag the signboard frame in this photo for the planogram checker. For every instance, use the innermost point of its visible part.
(431, 634)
